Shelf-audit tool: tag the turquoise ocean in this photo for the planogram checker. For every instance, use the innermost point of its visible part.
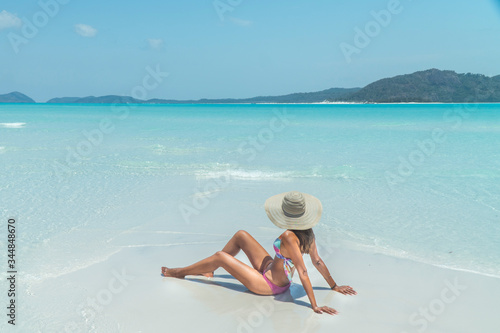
(413, 181)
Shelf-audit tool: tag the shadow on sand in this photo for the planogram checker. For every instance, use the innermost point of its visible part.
(291, 295)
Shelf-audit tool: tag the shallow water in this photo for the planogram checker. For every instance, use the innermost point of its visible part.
(413, 181)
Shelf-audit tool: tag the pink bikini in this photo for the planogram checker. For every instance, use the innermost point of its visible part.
(287, 266)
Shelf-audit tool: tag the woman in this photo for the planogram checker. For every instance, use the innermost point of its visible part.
(298, 213)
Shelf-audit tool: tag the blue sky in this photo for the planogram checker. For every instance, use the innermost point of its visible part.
(236, 48)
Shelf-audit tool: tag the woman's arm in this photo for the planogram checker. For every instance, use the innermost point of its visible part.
(292, 246)
(321, 267)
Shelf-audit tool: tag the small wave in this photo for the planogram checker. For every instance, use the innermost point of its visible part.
(159, 149)
(244, 174)
(173, 232)
(369, 244)
(169, 244)
(492, 275)
(38, 277)
(12, 125)
(342, 173)
(376, 247)
(232, 171)
(207, 194)
(391, 124)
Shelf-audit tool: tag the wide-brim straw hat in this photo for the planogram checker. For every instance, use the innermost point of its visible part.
(294, 210)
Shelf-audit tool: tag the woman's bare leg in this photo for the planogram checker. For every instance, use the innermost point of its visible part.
(248, 276)
(242, 240)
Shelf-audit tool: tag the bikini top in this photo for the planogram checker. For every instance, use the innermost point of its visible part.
(287, 262)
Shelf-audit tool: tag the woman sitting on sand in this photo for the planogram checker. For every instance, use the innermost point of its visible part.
(298, 213)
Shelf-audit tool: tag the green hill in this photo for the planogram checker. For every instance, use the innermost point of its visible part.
(109, 99)
(63, 100)
(432, 85)
(312, 97)
(15, 97)
(428, 86)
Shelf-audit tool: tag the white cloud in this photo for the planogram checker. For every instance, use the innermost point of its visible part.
(155, 43)
(85, 30)
(9, 20)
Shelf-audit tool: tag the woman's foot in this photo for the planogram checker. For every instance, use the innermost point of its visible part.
(171, 272)
(208, 275)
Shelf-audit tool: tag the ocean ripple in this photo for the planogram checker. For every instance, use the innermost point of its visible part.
(12, 125)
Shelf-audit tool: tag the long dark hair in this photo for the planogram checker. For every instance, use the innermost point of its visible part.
(306, 238)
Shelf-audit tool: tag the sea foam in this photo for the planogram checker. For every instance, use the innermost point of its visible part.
(12, 125)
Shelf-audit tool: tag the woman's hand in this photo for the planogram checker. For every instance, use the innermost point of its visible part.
(346, 290)
(325, 309)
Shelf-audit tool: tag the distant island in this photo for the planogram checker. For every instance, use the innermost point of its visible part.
(15, 97)
(312, 97)
(429, 86)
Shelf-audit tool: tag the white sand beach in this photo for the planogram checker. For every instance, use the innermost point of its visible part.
(127, 294)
